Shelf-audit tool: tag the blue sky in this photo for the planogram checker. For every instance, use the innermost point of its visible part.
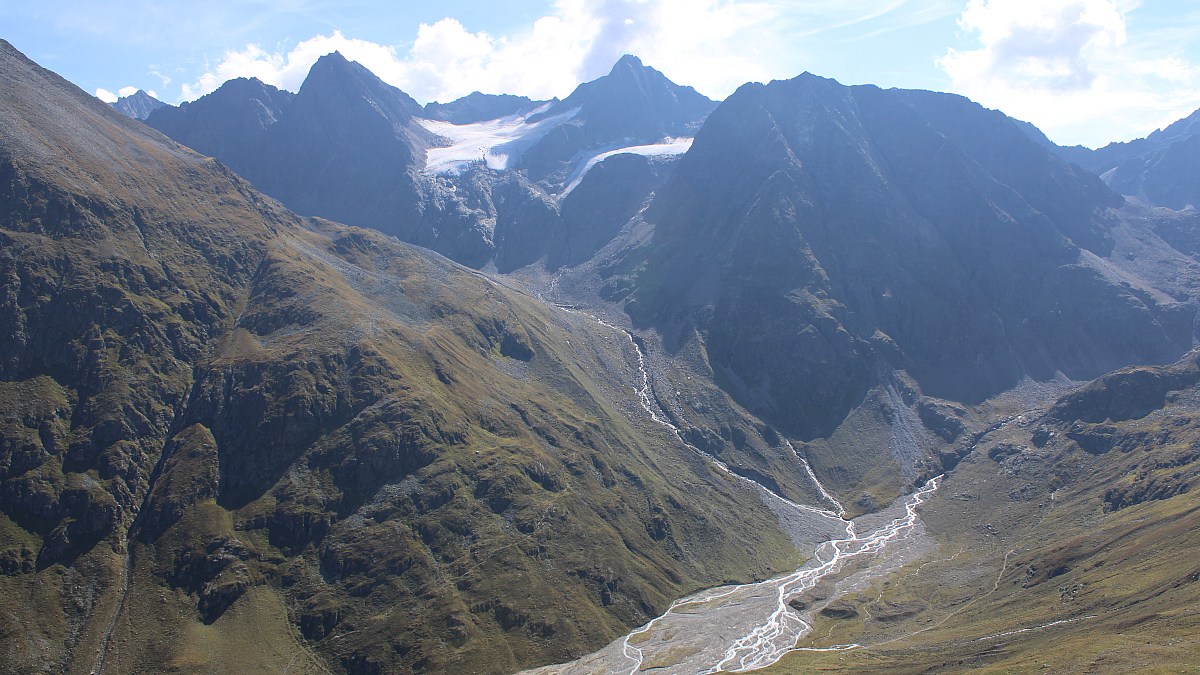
(1085, 71)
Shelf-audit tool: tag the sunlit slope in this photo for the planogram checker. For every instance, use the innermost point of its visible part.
(1068, 541)
(233, 438)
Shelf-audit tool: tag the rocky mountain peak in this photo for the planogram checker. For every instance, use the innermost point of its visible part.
(633, 104)
(477, 107)
(230, 123)
(248, 98)
(137, 105)
(1179, 130)
(634, 84)
(335, 78)
(627, 64)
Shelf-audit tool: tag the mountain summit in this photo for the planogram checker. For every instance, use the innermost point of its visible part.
(137, 105)
(344, 147)
(633, 104)
(232, 123)
(637, 101)
(342, 84)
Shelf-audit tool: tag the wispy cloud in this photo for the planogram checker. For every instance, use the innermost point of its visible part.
(1071, 67)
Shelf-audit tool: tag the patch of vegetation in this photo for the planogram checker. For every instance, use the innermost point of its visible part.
(1046, 545)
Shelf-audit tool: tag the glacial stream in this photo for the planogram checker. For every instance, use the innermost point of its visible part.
(746, 627)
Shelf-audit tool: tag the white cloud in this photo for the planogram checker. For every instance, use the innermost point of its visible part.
(109, 97)
(1045, 43)
(713, 45)
(1070, 67)
(446, 60)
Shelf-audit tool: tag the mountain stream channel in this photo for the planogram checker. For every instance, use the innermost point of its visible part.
(751, 626)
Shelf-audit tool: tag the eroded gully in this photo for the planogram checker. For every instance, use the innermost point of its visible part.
(750, 626)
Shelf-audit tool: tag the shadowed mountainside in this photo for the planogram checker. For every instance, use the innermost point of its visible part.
(1162, 169)
(818, 237)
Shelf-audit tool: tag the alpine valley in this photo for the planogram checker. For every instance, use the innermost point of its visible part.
(815, 377)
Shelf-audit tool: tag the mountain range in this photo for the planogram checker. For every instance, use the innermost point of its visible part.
(1159, 169)
(338, 380)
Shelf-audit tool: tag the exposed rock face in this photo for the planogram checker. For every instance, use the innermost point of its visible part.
(1162, 169)
(1130, 393)
(608, 197)
(137, 105)
(943, 419)
(631, 105)
(477, 107)
(232, 123)
(818, 234)
(1145, 413)
(1169, 176)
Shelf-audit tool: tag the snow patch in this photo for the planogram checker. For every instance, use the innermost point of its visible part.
(493, 142)
(664, 148)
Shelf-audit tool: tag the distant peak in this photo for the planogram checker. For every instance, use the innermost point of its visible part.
(242, 84)
(810, 82)
(334, 74)
(628, 60)
(628, 65)
(333, 59)
(813, 77)
(139, 94)
(334, 67)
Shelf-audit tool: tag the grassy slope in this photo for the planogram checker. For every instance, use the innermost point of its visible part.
(1103, 541)
(308, 434)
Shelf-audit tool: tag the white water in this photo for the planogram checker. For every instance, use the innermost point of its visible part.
(841, 511)
(645, 395)
(746, 627)
(1033, 628)
(750, 626)
(778, 635)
